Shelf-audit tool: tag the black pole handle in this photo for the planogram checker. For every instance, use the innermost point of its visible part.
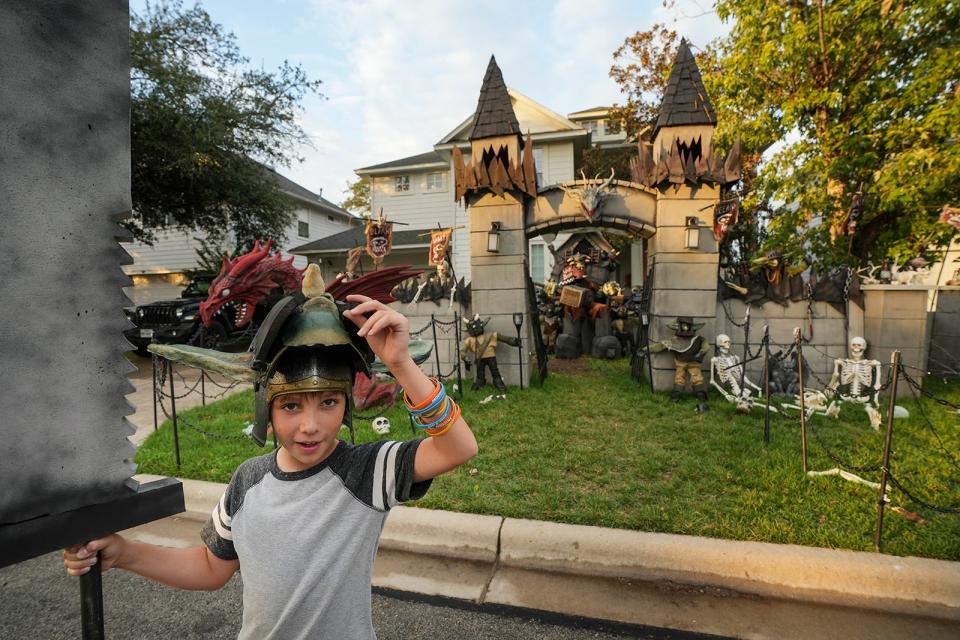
(91, 603)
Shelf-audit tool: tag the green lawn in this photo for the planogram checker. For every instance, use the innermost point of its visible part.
(592, 447)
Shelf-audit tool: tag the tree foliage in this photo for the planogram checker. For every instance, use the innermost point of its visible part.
(203, 125)
(358, 196)
(829, 97)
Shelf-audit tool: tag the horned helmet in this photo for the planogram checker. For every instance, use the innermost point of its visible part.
(476, 326)
(303, 345)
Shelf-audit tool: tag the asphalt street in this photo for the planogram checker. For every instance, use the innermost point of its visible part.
(38, 600)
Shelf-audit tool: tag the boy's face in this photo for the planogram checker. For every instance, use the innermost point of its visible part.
(307, 425)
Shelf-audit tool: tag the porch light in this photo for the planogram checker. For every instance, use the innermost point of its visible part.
(691, 238)
(493, 237)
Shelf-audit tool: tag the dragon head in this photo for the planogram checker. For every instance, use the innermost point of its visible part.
(592, 195)
(244, 282)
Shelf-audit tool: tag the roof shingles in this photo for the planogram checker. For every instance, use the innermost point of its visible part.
(494, 115)
(685, 99)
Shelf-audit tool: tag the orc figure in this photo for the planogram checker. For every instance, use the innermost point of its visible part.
(481, 347)
(687, 358)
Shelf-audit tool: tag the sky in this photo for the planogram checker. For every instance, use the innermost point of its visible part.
(398, 76)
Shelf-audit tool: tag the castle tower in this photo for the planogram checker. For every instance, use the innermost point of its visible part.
(684, 253)
(494, 186)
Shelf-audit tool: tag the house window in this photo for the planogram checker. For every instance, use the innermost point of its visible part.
(537, 266)
(434, 181)
(590, 125)
(401, 184)
(331, 219)
(538, 162)
(303, 229)
(613, 126)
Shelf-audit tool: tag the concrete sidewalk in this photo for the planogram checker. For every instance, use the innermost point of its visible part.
(723, 587)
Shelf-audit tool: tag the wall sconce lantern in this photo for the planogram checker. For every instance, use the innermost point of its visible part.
(493, 238)
(691, 238)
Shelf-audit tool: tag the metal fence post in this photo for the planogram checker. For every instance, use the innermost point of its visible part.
(456, 337)
(436, 347)
(173, 411)
(203, 387)
(887, 439)
(156, 390)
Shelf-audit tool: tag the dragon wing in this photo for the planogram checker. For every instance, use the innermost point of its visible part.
(376, 285)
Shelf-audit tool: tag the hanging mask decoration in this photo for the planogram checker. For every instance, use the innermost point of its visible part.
(439, 246)
(725, 214)
(950, 215)
(379, 239)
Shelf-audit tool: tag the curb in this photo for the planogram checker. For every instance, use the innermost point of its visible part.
(658, 579)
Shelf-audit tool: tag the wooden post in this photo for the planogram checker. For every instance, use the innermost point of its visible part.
(887, 439)
(766, 383)
(803, 409)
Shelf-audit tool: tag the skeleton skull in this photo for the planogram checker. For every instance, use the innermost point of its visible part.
(858, 346)
(381, 425)
(723, 343)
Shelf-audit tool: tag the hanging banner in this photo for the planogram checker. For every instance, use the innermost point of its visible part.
(951, 216)
(379, 239)
(353, 260)
(439, 246)
(725, 214)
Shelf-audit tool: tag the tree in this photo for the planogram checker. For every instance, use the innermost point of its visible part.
(203, 126)
(829, 97)
(856, 93)
(358, 196)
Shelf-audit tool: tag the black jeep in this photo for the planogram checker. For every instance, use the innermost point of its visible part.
(178, 321)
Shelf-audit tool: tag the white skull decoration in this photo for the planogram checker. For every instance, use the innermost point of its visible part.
(858, 346)
(381, 424)
(723, 343)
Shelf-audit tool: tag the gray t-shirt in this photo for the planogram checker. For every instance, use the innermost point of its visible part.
(306, 541)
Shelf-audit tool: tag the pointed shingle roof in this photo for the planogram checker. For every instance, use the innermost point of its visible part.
(685, 99)
(494, 115)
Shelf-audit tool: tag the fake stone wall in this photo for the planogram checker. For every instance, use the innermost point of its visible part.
(419, 315)
(65, 180)
(829, 335)
(944, 351)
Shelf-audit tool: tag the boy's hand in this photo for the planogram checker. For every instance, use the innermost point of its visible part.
(386, 331)
(78, 559)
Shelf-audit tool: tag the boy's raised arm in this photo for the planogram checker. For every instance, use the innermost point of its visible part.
(194, 568)
(388, 333)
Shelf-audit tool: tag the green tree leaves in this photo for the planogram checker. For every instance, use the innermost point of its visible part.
(203, 125)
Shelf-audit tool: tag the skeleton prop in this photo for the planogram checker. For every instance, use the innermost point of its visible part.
(860, 380)
(726, 372)
(381, 424)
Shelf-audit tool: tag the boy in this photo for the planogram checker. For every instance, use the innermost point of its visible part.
(304, 522)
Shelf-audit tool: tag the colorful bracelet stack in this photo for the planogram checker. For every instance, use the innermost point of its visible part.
(437, 413)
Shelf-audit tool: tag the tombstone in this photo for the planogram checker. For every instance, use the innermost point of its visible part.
(65, 178)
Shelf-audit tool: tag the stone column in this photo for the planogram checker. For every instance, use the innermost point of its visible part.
(499, 285)
(896, 317)
(684, 280)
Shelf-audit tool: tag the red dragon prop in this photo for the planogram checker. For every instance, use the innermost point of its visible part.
(246, 281)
